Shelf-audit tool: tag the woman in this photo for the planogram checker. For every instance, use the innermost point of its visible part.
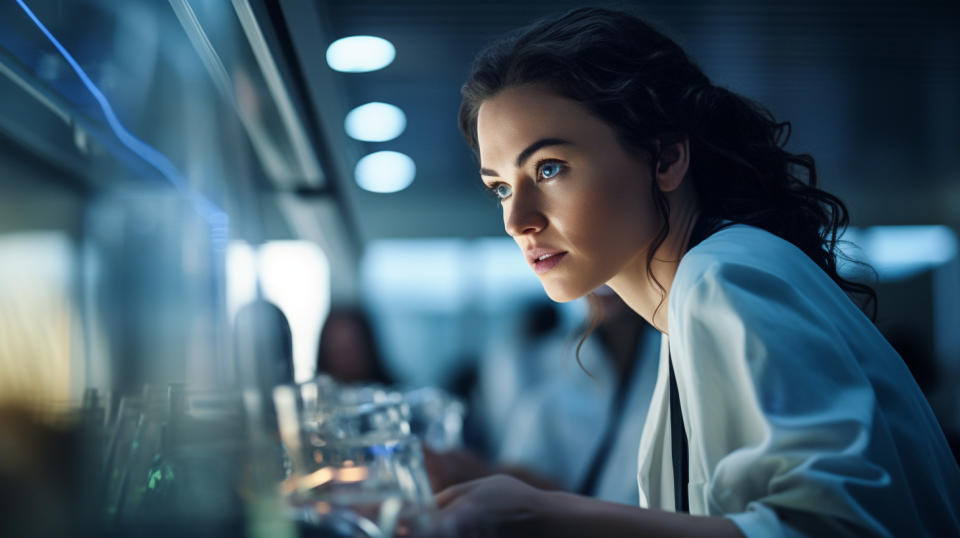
(779, 409)
(348, 350)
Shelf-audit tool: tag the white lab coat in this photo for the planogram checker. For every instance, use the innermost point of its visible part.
(801, 419)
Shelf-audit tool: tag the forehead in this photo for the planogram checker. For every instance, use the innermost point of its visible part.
(518, 116)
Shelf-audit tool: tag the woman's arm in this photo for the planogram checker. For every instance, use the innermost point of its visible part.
(573, 515)
(456, 466)
(503, 506)
(781, 378)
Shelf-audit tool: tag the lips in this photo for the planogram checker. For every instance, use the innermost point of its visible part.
(544, 259)
(543, 265)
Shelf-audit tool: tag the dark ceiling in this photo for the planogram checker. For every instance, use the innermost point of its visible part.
(872, 90)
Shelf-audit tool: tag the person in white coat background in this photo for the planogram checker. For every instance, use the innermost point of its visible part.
(581, 427)
(779, 408)
(576, 429)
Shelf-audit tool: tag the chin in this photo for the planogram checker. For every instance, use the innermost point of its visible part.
(562, 294)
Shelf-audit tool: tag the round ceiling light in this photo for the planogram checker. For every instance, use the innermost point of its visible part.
(375, 122)
(385, 171)
(360, 54)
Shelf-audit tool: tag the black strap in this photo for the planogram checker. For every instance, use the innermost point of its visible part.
(703, 228)
(681, 453)
(588, 485)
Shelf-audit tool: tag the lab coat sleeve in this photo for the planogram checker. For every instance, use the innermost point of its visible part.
(780, 411)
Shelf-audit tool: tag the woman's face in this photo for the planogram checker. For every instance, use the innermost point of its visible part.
(349, 357)
(568, 188)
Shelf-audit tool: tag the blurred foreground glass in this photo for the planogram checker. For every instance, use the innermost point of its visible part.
(431, 414)
(355, 469)
(175, 459)
(436, 417)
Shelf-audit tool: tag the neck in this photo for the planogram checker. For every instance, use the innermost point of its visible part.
(634, 285)
(621, 337)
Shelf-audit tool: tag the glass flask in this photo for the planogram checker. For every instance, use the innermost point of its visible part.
(355, 469)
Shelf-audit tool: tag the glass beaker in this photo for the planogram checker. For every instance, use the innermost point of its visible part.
(354, 469)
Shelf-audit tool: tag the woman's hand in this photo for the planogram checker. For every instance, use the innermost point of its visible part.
(500, 505)
(445, 469)
(452, 467)
(494, 506)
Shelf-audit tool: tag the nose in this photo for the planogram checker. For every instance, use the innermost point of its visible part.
(523, 215)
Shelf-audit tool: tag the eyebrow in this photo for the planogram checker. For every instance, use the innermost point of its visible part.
(525, 154)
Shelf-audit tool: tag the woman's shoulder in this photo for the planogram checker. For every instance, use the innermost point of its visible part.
(745, 254)
(741, 244)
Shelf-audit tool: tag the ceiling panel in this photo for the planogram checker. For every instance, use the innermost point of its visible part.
(871, 89)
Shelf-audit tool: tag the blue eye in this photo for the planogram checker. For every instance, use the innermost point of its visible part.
(502, 190)
(550, 169)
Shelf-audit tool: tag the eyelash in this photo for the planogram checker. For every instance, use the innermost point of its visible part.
(492, 189)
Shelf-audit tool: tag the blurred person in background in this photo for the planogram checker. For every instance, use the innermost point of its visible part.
(514, 367)
(264, 345)
(779, 408)
(348, 350)
(580, 426)
(573, 427)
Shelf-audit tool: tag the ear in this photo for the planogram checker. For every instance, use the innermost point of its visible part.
(673, 165)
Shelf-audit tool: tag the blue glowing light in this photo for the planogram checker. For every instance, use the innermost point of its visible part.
(375, 122)
(215, 217)
(385, 171)
(384, 450)
(898, 252)
(360, 54)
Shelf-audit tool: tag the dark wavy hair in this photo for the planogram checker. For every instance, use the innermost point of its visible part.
(652, 94)
(360, 319)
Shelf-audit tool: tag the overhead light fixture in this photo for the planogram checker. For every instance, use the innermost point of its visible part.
(385, 171)
(360, 54)
(375, 122)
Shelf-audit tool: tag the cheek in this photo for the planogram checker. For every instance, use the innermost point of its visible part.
(612, 222)
(610, 202)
